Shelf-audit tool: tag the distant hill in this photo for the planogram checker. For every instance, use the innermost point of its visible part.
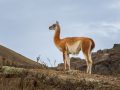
(9, 57)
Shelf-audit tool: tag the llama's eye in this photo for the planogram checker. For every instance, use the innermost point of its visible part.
(54, 25)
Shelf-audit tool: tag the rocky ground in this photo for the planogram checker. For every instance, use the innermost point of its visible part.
(39, 79)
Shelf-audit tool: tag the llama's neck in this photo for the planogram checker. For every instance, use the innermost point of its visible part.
(57, 35)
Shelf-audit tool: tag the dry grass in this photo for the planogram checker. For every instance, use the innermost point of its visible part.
(40, 79)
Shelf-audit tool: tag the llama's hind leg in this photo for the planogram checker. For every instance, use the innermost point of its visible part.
(88, 62)
(86, 47)
(86, 58)
(90, 67)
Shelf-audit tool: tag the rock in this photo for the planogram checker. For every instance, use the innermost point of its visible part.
(106, 62)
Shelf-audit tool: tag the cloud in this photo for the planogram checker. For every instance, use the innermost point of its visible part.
(115, 4)
(102, 28)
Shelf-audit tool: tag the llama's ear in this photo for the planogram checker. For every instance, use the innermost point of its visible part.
(57, 22)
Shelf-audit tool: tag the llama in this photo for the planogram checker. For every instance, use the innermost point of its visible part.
(73, 45)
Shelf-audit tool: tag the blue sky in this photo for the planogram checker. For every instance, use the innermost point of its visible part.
(24, 24)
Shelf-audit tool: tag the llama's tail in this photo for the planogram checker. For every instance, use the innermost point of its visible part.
(93, 45)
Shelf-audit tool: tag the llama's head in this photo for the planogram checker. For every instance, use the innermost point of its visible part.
(54, 26)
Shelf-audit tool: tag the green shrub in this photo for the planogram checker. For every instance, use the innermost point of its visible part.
(11, 70)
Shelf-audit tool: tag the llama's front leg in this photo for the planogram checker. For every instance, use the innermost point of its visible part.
(65, 62)
(68, 60)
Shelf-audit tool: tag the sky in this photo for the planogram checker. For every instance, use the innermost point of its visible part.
(24, 25)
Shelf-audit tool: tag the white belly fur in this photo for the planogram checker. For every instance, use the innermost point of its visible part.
(74, 48)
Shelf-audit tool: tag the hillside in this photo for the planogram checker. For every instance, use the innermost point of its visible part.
(22, 73)
(9, 57)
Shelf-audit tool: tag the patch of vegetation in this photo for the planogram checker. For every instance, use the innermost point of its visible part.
(11, 70)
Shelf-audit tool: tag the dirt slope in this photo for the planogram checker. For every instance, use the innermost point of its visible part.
(38, 79)
(11, 58)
